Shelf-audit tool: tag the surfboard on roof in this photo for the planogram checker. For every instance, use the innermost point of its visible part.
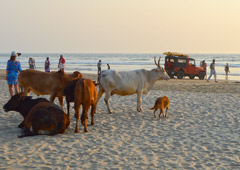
(175, 54)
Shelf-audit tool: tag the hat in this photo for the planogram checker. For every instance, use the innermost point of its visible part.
(13, 53)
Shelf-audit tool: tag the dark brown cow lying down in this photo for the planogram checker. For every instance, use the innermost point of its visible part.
(15, 104)
(42, 83)
(44, 118)
(85, 95)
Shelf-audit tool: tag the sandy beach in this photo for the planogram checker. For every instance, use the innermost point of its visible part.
(201, 132)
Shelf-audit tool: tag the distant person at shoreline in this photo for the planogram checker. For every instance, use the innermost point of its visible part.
(99, 66)
(31, 63)
(108, 66)
(13, 67)
(203, 64)
(226, 71)
(61, 63)
(47, 65)
(212, 71)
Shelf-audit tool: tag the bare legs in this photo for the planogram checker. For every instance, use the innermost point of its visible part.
(11, 90)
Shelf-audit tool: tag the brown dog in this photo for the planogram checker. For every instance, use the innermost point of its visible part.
(161, 103)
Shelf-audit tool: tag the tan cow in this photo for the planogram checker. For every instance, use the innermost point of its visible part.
(43, 83)
(85, 95)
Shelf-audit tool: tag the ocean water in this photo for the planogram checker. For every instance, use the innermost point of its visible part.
(87, 62)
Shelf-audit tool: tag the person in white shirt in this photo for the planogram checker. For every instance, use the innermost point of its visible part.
(212, 71)
(61, 63)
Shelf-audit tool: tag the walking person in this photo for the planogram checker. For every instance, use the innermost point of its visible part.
(212, 71)
(47, 65)
(31, 63)
(226, 71)
(61, 63)
(13, 67)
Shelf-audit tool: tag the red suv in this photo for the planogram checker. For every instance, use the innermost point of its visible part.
(180, 65)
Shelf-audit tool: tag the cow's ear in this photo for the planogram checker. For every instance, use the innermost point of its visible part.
(21, 98)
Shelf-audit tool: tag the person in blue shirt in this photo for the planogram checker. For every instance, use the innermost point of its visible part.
(13, 67)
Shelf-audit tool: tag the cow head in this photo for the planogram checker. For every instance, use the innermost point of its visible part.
(160, 72)
(76, 75)
(15, 102)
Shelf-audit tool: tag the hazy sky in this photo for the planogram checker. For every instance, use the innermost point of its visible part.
(120, 26)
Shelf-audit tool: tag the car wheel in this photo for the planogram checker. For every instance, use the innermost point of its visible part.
(170, 75)
(201, 75)
(191, 76)
(180, 74)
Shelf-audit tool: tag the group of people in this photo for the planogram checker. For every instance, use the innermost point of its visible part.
(213, 71)
(61, 64)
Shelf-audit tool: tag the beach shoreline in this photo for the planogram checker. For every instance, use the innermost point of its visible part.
(200, 132)
(188, 85)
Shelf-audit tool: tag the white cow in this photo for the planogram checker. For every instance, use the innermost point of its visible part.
(127, 83)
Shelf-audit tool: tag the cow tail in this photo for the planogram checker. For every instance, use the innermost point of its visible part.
(20, 84)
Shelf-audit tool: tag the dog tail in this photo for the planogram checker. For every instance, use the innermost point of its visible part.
(152, 108)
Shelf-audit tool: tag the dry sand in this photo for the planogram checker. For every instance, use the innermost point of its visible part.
(201, 132)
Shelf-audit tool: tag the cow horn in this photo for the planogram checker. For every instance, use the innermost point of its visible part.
(155, 61)
(159, 62)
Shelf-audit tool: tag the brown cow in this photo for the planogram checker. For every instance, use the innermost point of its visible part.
(69, 93)
(85, 95)
(44, 118)
(161, 103)
(42, 83)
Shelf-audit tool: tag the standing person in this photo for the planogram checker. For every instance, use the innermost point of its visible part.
(13, 67)
(226, 71)
(108, 66)
(47, 65)
(212, 71)
(61, 63)
(31, 63)
(99, 65)
(204, 65)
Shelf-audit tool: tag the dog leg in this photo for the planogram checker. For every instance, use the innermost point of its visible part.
(161, 111)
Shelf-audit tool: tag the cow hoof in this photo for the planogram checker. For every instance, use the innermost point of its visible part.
(86, 131)
(92, 123)
(76, 131)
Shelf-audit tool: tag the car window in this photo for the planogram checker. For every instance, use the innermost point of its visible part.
(182, 61)
(192, 62)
